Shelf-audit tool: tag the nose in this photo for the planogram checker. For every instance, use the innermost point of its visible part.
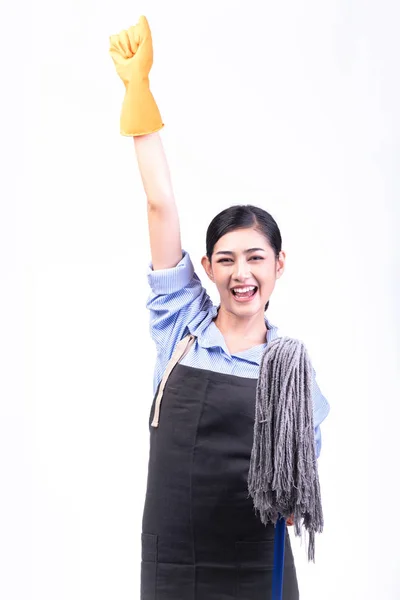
(241, 270)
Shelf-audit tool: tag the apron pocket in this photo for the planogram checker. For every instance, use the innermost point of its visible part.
(148, 573)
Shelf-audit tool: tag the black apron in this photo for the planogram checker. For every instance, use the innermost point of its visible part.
(201, 537)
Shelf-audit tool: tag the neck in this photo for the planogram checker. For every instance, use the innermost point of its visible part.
(251, 328)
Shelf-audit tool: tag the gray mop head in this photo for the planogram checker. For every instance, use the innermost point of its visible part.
(283, 475)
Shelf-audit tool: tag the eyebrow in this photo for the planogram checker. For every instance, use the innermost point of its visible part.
(246, 251)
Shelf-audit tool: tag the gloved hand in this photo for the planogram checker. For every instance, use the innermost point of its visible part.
(132, 53)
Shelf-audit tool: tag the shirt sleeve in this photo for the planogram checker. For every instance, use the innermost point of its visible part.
(321, 410)
(177, 299)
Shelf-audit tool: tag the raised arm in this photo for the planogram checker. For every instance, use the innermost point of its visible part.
(162, 212)
(132, 53)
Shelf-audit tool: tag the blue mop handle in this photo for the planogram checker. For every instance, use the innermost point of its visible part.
(279, 558)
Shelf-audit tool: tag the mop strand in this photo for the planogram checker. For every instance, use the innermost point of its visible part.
(283, 474)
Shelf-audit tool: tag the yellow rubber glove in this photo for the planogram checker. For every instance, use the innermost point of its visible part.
(132, 53)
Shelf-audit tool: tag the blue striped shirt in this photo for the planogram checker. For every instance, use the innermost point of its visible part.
(178, 305)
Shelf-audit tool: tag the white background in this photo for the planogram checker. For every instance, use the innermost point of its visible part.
(291, 106)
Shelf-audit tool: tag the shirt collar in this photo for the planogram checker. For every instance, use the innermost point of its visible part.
(209, 336)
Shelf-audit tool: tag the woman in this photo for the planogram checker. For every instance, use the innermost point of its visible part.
(202, 539)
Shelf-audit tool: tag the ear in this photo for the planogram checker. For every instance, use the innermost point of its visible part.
(280, 264)
(207, 267)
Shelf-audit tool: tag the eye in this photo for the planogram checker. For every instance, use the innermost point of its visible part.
(228, 259)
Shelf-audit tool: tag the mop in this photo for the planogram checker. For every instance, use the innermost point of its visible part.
(283, 475)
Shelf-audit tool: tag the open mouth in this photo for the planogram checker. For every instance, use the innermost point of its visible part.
(248, 294)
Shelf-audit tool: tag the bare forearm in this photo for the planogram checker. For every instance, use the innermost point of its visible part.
(154, 170)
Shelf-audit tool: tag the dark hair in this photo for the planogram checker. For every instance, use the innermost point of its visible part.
(243, 216)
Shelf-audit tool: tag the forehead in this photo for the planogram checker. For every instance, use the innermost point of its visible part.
(241, 239)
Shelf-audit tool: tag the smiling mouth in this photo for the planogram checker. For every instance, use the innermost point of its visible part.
(249, 294)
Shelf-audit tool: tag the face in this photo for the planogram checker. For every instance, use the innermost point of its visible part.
(244, 258)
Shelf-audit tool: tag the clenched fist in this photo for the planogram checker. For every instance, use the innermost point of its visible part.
(132, 53)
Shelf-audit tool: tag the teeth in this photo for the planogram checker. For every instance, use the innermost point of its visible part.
(243, 290)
